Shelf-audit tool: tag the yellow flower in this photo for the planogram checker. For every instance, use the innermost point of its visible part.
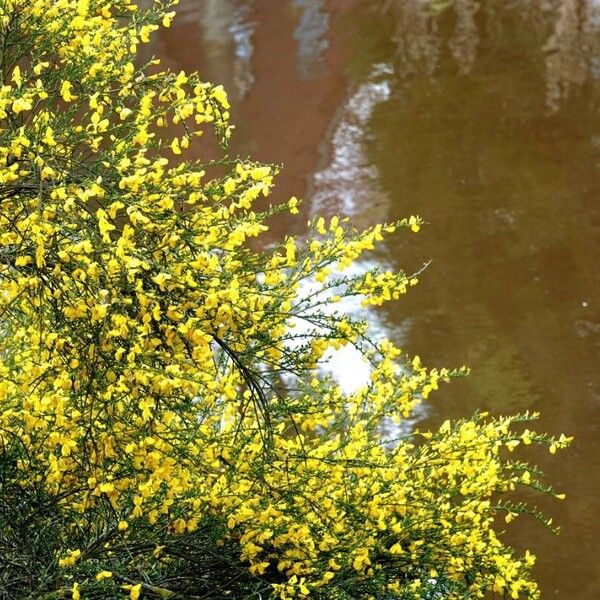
(40, 67)
(167, 18)
(134, 592)
(65, 91)
(414, 224)
(21, 104)
(71, 559)
(220, 95)
(16, 76)
(175, 146)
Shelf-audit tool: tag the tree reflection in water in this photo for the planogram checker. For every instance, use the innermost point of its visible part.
(566, 32)
(569, 50)
(313, 25)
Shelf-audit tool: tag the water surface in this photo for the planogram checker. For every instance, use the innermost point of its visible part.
(483, 118)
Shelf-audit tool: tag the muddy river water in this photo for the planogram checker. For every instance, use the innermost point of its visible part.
(483, 118)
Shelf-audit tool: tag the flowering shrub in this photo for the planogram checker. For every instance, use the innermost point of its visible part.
(165, 428)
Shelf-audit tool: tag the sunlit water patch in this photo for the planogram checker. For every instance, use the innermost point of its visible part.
(347, 365)
(348, 184)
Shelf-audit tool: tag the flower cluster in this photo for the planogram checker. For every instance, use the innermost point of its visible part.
(160, 411)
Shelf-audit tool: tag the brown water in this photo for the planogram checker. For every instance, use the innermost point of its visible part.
(483, 118)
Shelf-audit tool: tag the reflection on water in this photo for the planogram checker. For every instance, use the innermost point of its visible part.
(568, 50)
(415, 35)
(464, 43)
(511, 191)
(214, 36)
(312, 27)
(227, 39)
(241, 32)
(565, 33)
(226, 30)
(349, 182)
